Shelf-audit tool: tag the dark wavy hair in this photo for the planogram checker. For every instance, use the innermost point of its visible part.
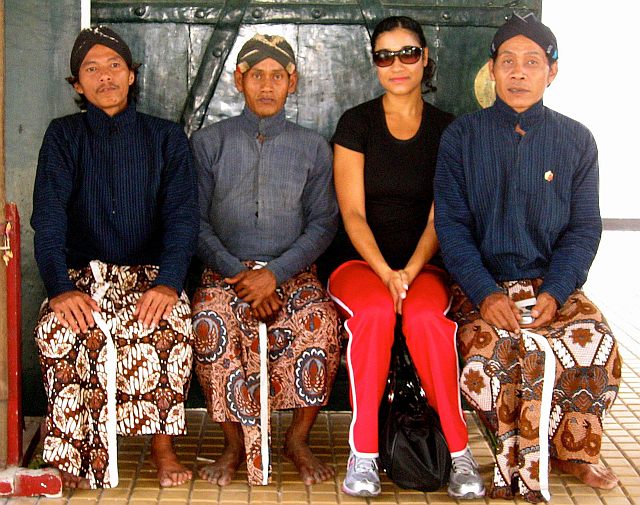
(132, 96)
(393, 22)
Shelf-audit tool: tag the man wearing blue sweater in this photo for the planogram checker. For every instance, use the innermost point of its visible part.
(517, 216)
(115, 221)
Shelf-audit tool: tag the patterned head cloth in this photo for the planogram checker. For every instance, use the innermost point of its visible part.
(530, 27)
(261, 47)
(102, 35)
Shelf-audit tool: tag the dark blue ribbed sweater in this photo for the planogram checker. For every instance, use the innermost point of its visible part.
(514, 207)
(118, 189)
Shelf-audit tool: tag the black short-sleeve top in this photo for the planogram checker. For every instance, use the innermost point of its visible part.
(398, 175)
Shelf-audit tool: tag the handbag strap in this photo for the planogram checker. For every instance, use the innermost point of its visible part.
(401, 366)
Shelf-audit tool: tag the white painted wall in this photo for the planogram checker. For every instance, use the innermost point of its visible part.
(598, 84)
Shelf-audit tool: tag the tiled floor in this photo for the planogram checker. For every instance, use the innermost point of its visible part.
(613, 285)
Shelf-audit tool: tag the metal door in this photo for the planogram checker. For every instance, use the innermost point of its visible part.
(189, 51)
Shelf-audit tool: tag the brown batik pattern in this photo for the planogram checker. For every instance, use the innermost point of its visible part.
(502, 380)
(303, 352)
(152, 374)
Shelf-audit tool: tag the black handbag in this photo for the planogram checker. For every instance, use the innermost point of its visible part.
(413, 451)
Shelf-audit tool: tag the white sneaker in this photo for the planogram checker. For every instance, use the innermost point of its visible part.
(465, 482)
(362, 477)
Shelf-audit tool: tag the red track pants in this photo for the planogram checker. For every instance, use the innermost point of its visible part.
(431, 339)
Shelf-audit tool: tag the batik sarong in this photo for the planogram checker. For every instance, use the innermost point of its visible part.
(303, 355)
(117, 378)
(542, 394)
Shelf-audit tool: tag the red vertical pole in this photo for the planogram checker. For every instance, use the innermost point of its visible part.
(14, 339)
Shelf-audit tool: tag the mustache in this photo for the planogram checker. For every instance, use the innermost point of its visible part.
(107, 87)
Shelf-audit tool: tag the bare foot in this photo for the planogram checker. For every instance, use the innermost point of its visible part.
(73, 481)
(311, 469)
(170, 471)
(594, 475)
(223, 470)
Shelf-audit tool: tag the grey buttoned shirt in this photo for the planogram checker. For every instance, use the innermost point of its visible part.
(265, 193)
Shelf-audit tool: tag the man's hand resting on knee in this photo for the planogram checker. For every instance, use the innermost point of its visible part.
(73, 310)
(155, 304)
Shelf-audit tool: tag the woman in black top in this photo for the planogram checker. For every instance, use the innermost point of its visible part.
(384, 160)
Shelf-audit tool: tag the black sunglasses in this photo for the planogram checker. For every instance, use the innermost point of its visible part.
(408, 55)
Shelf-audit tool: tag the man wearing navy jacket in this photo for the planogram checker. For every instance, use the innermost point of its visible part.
(115, 220)
(517, 216)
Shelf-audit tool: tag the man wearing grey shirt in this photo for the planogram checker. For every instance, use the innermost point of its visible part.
(266, 332)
